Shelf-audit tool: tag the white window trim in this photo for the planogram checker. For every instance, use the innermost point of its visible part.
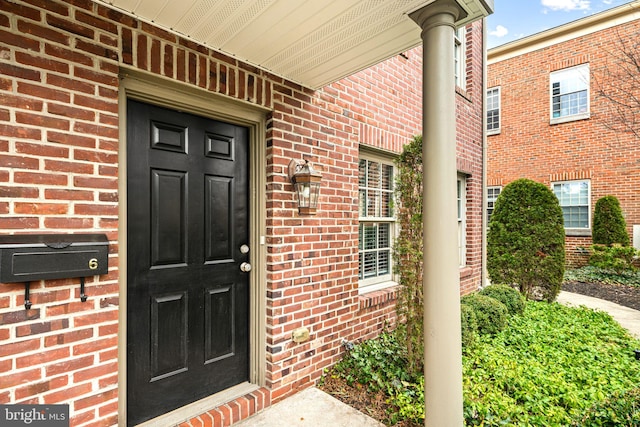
(388, 280)
(579, 231)
(572, 117)
(462, 219)
(460, 57)
(499, 95)
(493, 187)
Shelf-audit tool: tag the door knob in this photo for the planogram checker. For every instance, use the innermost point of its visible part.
(245, 267)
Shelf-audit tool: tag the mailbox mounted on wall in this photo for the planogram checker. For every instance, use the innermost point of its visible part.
(28, 257)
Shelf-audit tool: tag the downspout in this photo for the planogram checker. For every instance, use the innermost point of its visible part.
(484, 277)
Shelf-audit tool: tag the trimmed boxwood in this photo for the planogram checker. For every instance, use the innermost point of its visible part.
(469, 325)
(510, 297)
(491, 315)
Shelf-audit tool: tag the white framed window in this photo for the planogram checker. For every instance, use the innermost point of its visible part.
(493, 110)
(462, 219)
(492, 196)
(569, 94)
(376, 231)
(460, 57)
(574, 197)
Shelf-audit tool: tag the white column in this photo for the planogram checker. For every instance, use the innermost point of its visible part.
(441, 283)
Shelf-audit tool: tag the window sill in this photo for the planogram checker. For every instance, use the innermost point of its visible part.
(493, 132)
(573, 118)
(577, 232)
(463, 92)
(465, 271)
(372, 296)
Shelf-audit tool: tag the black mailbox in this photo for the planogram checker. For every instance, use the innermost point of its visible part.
(27, 257)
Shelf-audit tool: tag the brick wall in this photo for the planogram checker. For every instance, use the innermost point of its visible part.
(528, 146)
(59, 167)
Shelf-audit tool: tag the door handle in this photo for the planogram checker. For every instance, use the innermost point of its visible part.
(245, 267)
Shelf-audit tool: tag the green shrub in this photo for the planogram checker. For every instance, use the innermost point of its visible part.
(469, 325)
(491, 315)
(617, 258)
(609, 226)
(525, 242)
(507, 295)
(622, 409)
(547, 367)
(374, 363)
(588, 274)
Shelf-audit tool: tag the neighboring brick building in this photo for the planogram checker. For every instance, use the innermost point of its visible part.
(546, 121)
(94, 110)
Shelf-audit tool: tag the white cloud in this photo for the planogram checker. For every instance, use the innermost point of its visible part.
(500, 31)
(567, 5)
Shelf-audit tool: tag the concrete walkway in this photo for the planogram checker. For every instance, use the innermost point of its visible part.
(315, 408)
(310, 408)
(628, 318)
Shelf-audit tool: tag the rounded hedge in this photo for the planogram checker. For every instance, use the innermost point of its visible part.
(609, 226)
(491, 315)
(525, 242)
(510, 297)
(469, 325)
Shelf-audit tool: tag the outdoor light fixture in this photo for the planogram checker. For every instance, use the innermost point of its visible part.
(306, 182)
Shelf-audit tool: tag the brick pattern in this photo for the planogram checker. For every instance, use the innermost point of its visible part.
(528, 146)
(232, 412)
(59, 173)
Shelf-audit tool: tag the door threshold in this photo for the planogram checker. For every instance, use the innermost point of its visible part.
(201, 406)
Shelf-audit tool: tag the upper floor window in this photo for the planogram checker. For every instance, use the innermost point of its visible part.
(459, 56)
(492, 196)
(376, 231)
(493, 110)
(570, 94)
(574, 199)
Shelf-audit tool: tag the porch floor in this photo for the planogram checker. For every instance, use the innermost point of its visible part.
(310, 408)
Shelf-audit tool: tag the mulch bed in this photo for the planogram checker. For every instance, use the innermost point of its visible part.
(628, 296)
(374, 404)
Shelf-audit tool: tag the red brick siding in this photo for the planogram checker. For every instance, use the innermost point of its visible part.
(59, 173)
(528, 146)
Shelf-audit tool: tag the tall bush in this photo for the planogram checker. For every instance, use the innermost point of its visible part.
(525, 242)
(408, 252)
(609, 226)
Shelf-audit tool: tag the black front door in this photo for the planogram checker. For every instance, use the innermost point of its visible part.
(187, 299)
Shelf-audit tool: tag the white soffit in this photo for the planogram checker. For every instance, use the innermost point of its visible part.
(312, 42)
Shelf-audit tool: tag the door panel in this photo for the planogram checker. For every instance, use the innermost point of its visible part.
(219, 333)
(168, 217)
(168, 335)
(187, 300)
(218, 219)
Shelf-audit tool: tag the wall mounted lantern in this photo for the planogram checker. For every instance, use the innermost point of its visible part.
(306, 182)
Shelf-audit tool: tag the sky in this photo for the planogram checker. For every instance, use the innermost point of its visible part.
(514, 19)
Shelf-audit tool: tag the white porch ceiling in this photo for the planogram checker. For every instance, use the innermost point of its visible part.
(311, 42)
